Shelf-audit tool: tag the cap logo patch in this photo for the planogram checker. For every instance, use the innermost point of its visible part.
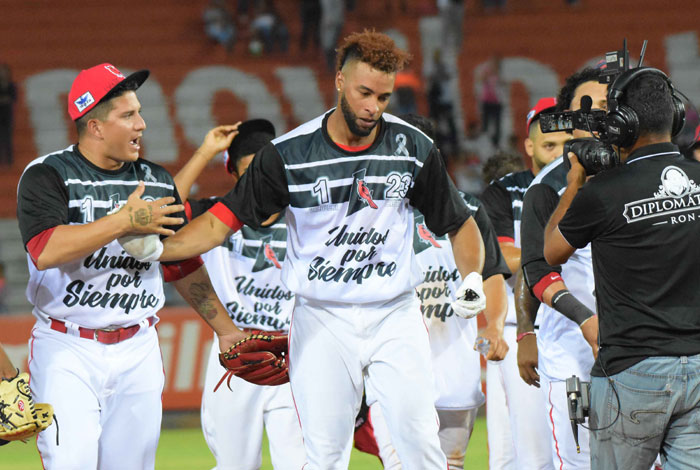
(530, 114)
(84, 101)
(113, 70)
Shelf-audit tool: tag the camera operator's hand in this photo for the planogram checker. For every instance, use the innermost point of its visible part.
(527, 360)
(589, 328)
(577, 174)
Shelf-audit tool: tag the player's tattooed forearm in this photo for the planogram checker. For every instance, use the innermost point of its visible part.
(200, 294)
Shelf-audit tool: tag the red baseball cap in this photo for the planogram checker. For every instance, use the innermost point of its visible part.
(93, 84)
(544, 104)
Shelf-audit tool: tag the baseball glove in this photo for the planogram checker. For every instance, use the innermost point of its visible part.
(20, 417)
(258, 359)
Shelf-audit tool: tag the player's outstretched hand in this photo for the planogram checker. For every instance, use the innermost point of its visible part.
(527, 360)
(217, 140)
(143, 216)
(471, 299)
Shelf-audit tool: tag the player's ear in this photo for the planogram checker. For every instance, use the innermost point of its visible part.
(94, 127)
(339, 81)
(529, 147)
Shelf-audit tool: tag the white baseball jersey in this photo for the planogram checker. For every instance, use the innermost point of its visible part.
(349, 214)
(107, 288)
(456, 364)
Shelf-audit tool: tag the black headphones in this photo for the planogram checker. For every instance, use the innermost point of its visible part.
(622, 121)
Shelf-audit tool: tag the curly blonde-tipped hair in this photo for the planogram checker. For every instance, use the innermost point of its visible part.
(376, 49)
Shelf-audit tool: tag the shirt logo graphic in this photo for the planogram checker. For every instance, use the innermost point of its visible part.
(270, 255)
(677, 194)
(401, 149)
(423, 238)
(364, 192)
(84, 101)
(266, 257)
(360, 194)
(426, 235)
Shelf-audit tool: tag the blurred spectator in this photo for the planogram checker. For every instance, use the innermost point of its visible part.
(270, 29)
(407, 86)
(8, 96)
(476, 144)
(466, 174)
(218, 24)
(500, 164)
(490, 96)
(332, 20)
(440, 102)
(452, 18)
(310, 12)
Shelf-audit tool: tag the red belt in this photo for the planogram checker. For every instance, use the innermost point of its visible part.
(114, 336)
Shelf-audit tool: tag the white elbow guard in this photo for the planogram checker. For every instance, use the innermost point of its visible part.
(471, 299)
(145, 248)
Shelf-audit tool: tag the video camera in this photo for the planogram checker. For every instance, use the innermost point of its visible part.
(578, 396)
(593, 157)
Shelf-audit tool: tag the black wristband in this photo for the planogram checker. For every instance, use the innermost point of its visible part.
(565, 303)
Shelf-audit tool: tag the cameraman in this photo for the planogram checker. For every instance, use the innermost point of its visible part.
(562, 348)
(642, 220)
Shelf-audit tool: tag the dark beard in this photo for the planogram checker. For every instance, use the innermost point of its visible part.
(351, 119)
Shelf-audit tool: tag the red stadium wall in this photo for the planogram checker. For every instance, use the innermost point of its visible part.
(185, 342)
(46, 42)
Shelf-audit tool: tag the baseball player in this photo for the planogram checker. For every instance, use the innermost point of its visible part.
(456, 363)
(94, 353)
(246, 274)
(349, 180)
(517, 427)
(562, 349)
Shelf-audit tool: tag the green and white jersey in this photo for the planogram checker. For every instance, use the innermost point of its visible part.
(107, 288)
(246, 272)
(349, 214)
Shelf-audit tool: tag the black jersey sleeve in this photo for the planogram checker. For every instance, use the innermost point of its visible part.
(494, 262)
(200, 206)
(261, 191)
(539, 203)
(584, 219)
(42, 201)
(498, 203)
(436, 197)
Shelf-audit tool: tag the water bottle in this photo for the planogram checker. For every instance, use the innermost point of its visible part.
(482, 345)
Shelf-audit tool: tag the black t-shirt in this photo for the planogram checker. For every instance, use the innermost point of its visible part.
(643, 220)
(503, 199)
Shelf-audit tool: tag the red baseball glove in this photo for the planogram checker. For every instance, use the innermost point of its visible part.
(259, 359)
